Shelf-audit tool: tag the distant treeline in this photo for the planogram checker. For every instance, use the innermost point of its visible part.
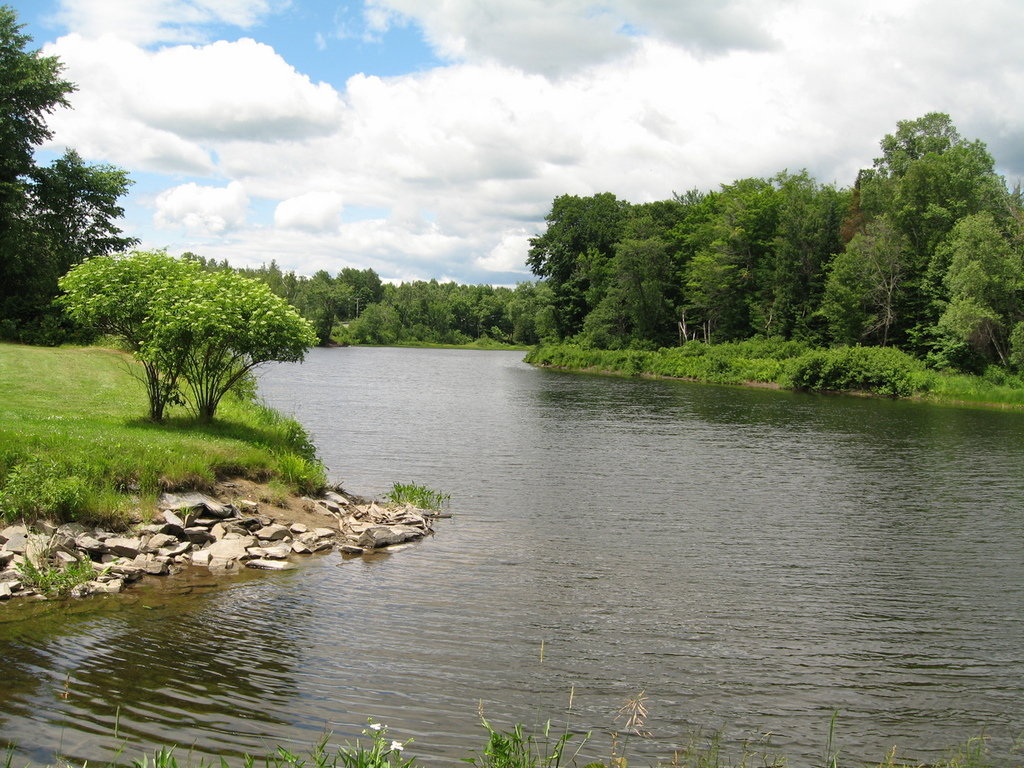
(923, 253)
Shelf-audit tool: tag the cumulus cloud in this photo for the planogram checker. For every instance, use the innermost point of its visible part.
(454, 168)
(312, 211)
(556, 37)
(202, 210)
(159, 21)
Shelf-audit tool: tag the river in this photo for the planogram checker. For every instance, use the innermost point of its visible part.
(751, 560)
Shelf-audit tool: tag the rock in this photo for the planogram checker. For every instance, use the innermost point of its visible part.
(5, 558)
(323, 533)
(198, 536)
(10, 575)
(81, 590)
(90, 544)
(15, 539)
(231, 549)
(5, 590)
(330, 506)
(273, 532)
(202, 557)
(248, 506)
(222, 564)
(194, 500)
(161, 540)
(65, 558)
(124, 547)
(179, 548)
(280, 552)
(297, 528)
(350, 549)
(384, 535)
(218, 531)
(111, 587)
(270, 565)
(170, 518)
(206, 522)
(337, 498)
(46, 527)
(301, 548)
(71, 529)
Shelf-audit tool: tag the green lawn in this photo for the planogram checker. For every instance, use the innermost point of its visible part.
(75, 444)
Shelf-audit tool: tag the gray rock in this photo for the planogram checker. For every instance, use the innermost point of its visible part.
(10, 575)
(111, 587)
(179, 548)
(297, 528)
(199, 536)
(324, 533)
(231, 549)
(15, 539)
(300, 548)
(273, 532)
(270, 565)
(71, 529)
(202, 557)
(161, 540)
(194, 500)
(65, 558)
(171, 518)
(124, 547)
(5, 558)
(90, 544)
(351, 549)
(386, 535)
(222, 564)
(337, 498)
(5, 590)
(279, 552)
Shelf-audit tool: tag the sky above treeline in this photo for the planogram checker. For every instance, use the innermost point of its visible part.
(427, 138)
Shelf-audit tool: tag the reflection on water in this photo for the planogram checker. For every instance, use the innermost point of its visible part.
(752, 559)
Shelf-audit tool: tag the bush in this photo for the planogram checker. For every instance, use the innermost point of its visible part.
(881, 370)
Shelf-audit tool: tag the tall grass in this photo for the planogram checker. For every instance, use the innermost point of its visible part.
(74, 443)
(418, 495)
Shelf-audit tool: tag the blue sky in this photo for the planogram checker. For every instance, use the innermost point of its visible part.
(427, 140)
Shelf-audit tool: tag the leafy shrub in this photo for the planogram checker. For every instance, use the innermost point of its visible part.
(56, 581)
(882, 370)
(39, 487)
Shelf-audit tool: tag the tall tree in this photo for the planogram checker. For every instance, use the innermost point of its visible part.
(574, 250)
(50, 218)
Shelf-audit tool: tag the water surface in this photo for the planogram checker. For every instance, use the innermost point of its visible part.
(753, 560)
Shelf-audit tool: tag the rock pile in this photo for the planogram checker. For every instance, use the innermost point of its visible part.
(193, 529)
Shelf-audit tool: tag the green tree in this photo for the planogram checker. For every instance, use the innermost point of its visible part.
(984, 281)
(571, 254)
(208, 329)
(117, 295)
(53, 217)
(219, 326)
(864, 286)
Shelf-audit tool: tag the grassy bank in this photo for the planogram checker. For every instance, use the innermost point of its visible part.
(792, 365)
(74, 443)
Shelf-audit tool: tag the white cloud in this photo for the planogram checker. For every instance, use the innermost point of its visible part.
(311, 211)
(202, 210)
(508, 255)
(159, 21)
(557, 37)
(455, 167)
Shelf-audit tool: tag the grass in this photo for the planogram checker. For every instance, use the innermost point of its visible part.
(74, 443)
(791, 365)
(522, 748)
(419, 496)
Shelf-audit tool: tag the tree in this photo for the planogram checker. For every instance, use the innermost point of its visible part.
(219, 326)
(183, 323)
(53, 217)
(572, 253)
(864, 285)
(984, 280)
(117, 295)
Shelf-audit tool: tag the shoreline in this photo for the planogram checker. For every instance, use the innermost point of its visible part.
(241, 524)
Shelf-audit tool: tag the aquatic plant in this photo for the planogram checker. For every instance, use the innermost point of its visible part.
(418, 495)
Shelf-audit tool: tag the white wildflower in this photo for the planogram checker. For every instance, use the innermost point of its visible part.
(397, 746)
(375, 726)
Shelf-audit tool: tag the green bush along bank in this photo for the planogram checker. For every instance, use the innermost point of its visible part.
(794, 365)
(74, 444)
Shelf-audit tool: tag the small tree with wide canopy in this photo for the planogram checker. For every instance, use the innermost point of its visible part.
(184, 324)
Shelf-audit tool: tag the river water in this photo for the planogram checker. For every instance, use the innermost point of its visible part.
(752, 560)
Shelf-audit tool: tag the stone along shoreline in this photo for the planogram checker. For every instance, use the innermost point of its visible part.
(194, 530)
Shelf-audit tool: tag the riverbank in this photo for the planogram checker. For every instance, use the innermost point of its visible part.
(861, 371)
(93, 497)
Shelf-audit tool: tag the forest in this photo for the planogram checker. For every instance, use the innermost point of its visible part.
(923, 253)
